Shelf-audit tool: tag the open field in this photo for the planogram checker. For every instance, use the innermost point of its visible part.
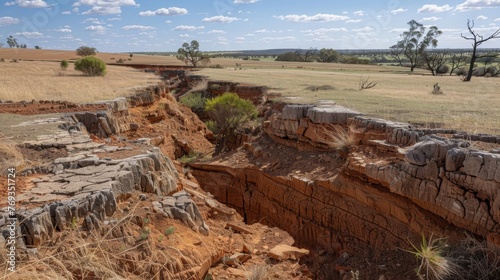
(57, 55)
(27, 80)
(399, 96)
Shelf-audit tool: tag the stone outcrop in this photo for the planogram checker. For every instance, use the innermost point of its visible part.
(398, 182)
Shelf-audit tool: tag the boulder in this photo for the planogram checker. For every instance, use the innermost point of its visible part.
(285, 252)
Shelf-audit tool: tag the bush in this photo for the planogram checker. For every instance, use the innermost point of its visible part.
(229, 113)
(194, 100)
(91, 66)
(64, 65)
(85, 51)
(443, 69)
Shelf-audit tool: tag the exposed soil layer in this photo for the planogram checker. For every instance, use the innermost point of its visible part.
(46, 107)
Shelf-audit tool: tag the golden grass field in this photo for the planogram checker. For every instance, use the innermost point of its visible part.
(398, 96)
(44, 80)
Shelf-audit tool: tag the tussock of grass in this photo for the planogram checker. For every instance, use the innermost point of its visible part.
(476, 260)
(10, 157)
(338, 138)
(433, 262)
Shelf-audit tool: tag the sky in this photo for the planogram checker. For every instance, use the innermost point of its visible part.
(163, 26)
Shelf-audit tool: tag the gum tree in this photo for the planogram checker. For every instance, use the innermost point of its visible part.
(415, 41)
(190, 53)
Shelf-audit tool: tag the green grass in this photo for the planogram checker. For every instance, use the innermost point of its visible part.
(398, 96)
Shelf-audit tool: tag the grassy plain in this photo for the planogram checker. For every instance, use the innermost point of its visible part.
(398, 95)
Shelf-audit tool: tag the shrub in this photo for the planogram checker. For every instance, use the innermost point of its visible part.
(85, 51)
(229, 113)
(194, 100)
(443, 69)
(91, 66)
(64, 65)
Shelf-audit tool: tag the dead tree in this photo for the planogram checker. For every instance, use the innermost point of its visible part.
(478, 40)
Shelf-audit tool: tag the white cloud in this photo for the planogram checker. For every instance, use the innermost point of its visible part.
(66, 13)
(497, 19)
(105, 7)
(359, 13)
(398, 30)
(113, 19)
(477, 5)
(29, 34)
(244, 1)
(433, 8)
(188, 28)
(95, 21)
(184, 36)
(216, 31)
(364, 29)
(98, 29)
(430, 18)
(240, 38)
(222, 19)
(322, 31)
(28, 3)
(354, 21)
(481, 17)
(172, 11)
(287, 38)
(8, 21)
(317, 17)
(138, 27)
(64, 30)
(398, 11)
(264, 31)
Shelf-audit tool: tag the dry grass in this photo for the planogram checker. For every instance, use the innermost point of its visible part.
(338, 138)
(29, 80)
(10, 157)
(434, 264)
(398, 96)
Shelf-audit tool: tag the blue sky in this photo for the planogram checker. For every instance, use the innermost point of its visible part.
(151, 25)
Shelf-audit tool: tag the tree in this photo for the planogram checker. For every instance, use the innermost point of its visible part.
(90, 66)
(12, 42)
(477, 41)
(457, 61)
(288, 56)
(397, 52)
(38, 47)
(85, 51)
(64, 65)
(307, 55)
(190, 53)
(228, 113)
(328, 55)
(435, 61)
(415, 41)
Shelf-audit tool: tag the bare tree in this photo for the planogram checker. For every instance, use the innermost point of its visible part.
(457, 61)
(435, 61)
(477, 41)
(306, 56)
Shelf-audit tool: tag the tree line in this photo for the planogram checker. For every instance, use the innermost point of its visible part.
(418, 48)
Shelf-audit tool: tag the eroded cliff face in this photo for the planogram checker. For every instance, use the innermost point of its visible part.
(396, 183)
